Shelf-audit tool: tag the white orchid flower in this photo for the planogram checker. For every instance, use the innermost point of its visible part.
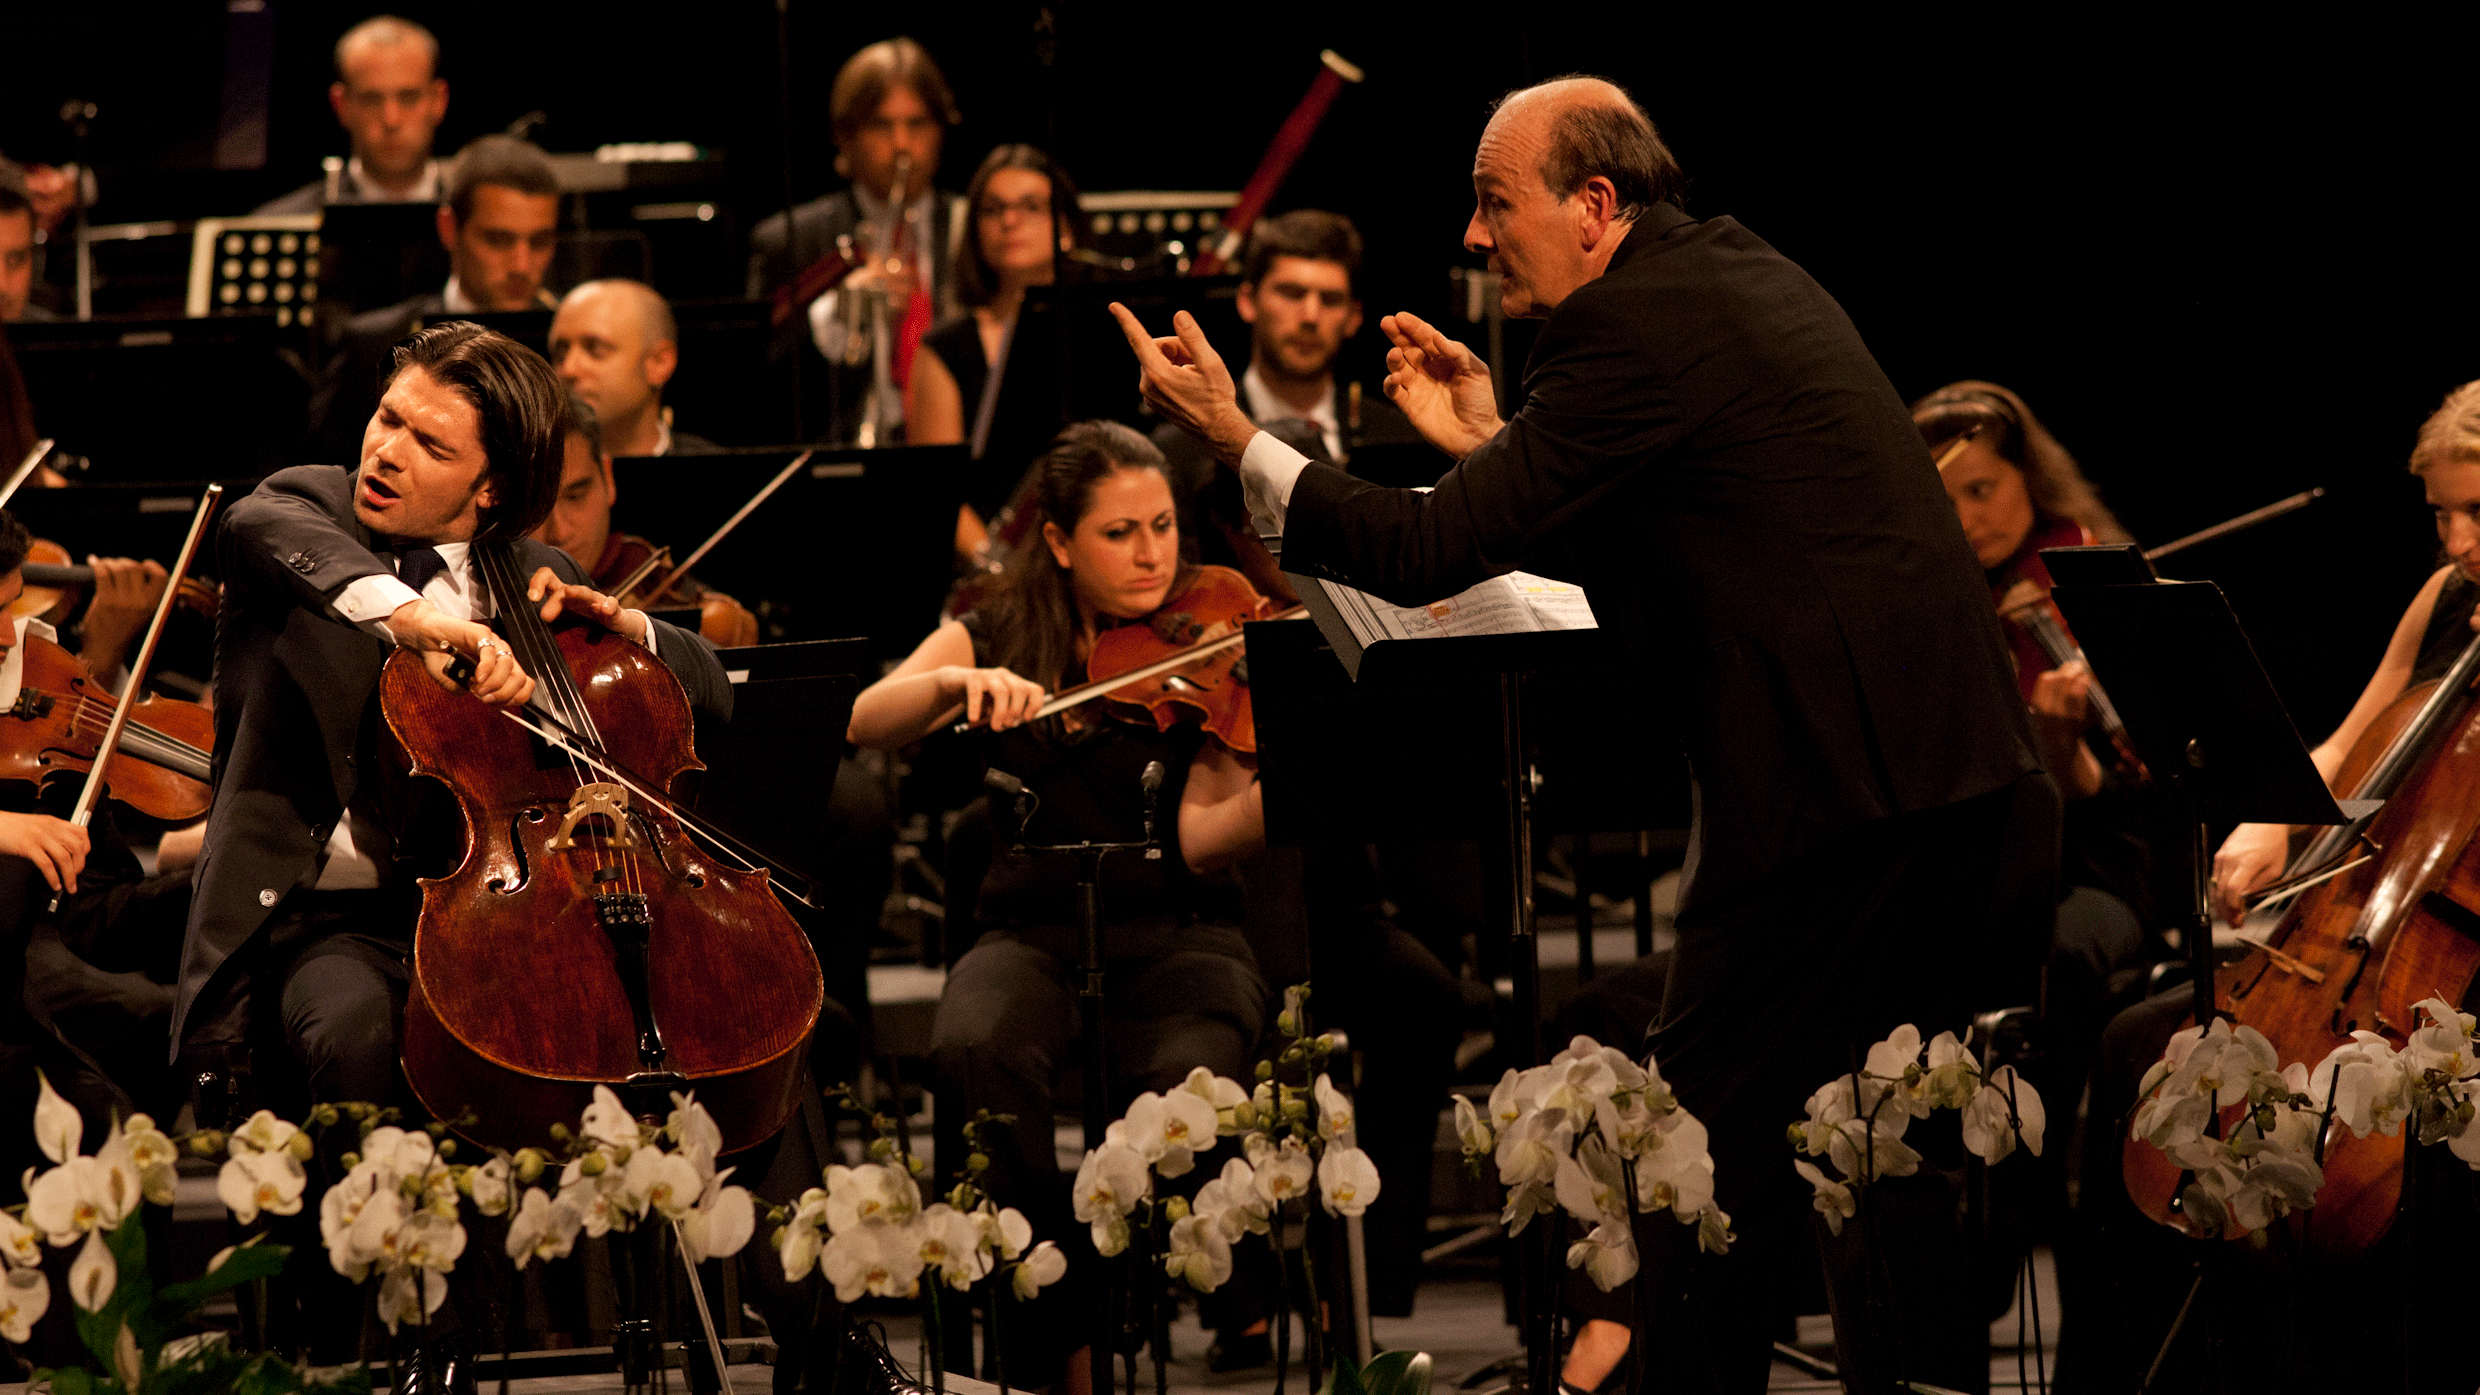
(82, 1195)
(1509, 1101)
(870, 1192)
(1833, 1200)
(1110, 1183)
(19, 1243)
(950, 1245)
(1829, 1106)
(2444, 1044)
(489, 1186)
(426, 1241)
(1865, 1149)
(1169, 1130)
(2004, 1107)
(1524, 1202)
(798, 1244)
(1677, 1174)
(1627, 1125)
(658, 1183)
(154, 1156)
(1607, 1255)
(94, 1274)
(1624, 1073)
(1284, 1175)
(1476, 1135)
(879, 1261)
(58, 1130)
(1198, 1254)
(1232, 1199)
(607, 1121)
(1044, 1266)
(340, 1212)
(2366, 1083)
(25, 1296)
(1530, 1150)
(262, 1132)
(254, 1182)
(410, 1293)
(1589, 1187)
(724, 1220)
(1110, 1235)
(1951, 1077)
(1005, 1232)
(1222, 1094)
(1713, 1231)
(543, 1228)
(372, 1239)
(1335, 1114)
(1347, 1181)
(696, 1131)
(1885, 1065)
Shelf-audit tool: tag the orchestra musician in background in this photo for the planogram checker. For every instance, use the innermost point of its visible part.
(1025, 215)
(888, 113)
(17, 249)
(616, 344)
(389, 98)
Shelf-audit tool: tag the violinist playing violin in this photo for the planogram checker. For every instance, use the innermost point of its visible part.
(580, 525)
(1184, 989)
(294, 974)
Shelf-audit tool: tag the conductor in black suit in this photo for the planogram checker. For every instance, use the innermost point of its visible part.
(1706, 445)
(293, 976)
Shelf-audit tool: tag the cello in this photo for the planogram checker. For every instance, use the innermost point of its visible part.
(584, 938)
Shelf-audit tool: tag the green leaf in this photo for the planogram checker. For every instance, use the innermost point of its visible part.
(250, 1261)
(1344, 1381)
(75, 1381)
(1397, 1373)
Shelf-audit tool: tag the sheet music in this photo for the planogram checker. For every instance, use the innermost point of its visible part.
(1516, 603)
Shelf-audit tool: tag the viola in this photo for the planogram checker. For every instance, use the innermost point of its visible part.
(56, 726)
(584, 938)
(1185, 662)
(2038, 636)
(54, 585)
(721, 619)
(2380, 920)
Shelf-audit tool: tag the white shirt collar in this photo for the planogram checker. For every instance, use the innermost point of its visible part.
(430, 188)
(455, 301)
(1264, 407)
(663, 432)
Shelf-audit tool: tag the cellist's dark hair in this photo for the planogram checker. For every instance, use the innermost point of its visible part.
(524, 410)
(15, 543)
(1032, 618)
(2057, 484)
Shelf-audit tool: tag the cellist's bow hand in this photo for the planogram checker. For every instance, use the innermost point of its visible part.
(1441, 386)
(450, 647)
(558, 598)
(1187, 382)
(2250, 857)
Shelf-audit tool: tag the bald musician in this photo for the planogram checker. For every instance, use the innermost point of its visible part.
(1705, 444)
(389, 97)
(615, 343)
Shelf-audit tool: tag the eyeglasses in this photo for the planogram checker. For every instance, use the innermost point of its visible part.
(1032, 206)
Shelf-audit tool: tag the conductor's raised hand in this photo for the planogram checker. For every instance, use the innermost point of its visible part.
(559, 598)
(1186, 381)
(1439, 385)
(997, 698)
(448, 644)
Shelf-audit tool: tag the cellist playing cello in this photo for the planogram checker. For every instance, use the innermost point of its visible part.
(294, 974)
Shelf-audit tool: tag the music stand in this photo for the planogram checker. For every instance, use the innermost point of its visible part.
(2200, 710)
(130, 393)
(375, 254)
(769, 768)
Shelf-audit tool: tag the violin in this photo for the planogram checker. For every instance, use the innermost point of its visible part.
(638, 562)
(56, 727)
(2379, 918)
(2038, 636)
(54, 585)
(583, 937)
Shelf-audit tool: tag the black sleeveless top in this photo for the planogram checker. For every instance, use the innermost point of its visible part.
(1027, 414)
(1090, 783)
(2449, 630)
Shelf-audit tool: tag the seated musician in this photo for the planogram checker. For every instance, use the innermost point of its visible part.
(389, 97)
(616, 344)
(1183, 987)
(499, 218)
(17, 251)
(889, 230)
(1025, 214)
(295, 970)
(1298, 294)
(580, 525)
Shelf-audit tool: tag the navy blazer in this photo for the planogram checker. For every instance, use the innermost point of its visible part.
(297, 716)
(1706, 445)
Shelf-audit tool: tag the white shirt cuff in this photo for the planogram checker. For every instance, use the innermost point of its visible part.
(371, 600)
(1268, 470)
(646, 636)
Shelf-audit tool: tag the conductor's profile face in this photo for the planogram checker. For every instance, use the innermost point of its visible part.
(1535, 239)
(423, 473)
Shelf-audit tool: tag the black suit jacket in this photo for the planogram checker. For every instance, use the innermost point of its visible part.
(1708, 448)
(297, 719)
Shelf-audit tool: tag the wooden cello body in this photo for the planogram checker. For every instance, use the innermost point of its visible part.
(584, 939)
(2354, 952)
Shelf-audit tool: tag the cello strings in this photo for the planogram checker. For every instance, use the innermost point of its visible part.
(509, 600)
(552, 672)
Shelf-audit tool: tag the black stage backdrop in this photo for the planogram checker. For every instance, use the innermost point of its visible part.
(2223, 265)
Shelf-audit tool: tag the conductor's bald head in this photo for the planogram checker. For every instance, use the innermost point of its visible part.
(1563, 170)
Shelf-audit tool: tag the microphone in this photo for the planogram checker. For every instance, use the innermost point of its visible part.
(1005, 783)
(1151, 782)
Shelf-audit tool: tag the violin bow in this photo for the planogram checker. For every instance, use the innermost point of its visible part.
(1955, 448)
(1087, 692)
(673, 577)
(627, 588)
(25, 469)
(84, 813)
(2228, 526)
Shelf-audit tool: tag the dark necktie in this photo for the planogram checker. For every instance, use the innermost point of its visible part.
(415, 566)
(1301, 434)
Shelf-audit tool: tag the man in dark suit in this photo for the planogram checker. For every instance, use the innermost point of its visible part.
(1706, 445)
(889, 110)
(500, 221)
(294, 970)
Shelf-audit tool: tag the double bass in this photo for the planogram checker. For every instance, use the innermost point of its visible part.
(584, 937)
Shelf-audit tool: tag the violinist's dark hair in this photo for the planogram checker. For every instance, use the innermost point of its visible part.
(2451, 434)
(977, 281)
(1032, 619)
(524, 410)
(2058, 487)
(15, 543)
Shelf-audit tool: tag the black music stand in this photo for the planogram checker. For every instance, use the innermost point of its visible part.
(375, 254)
(2200, 710)
(769, 769)
(1346, 618)
(129, 393)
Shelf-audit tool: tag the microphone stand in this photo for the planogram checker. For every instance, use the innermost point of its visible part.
(1091, 959)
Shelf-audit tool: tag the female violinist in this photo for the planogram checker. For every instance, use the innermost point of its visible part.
(1184, 989)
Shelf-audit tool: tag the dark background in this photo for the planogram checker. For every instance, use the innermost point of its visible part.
(2223, 266)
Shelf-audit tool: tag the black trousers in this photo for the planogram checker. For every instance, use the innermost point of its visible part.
(1923, 918)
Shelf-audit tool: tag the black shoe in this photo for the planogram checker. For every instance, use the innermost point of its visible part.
(442, 1367)
(1239, 1351)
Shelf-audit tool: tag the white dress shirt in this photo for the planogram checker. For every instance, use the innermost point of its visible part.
(352, 859)
(1268, 470)
(13, 668)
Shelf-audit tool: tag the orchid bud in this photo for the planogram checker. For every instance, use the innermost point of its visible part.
(463, 1177)
(206, 1143)
(560, 1133)
(913, 1164)
(620, 1152)
(1295, 1109)
(1176, 1209)
(359, 1109)
(1325, 1043)
(447, 1147)
(528, 1163)
(138, 1123)
(299, 1146)
(2265, 1118)
(324, 1116)
(1243, 1115)
(1287, 1022)
(881, 1149)
(1798, 1134)
(592, 1165)
(1265, 1070)
(351, 1161)
(435, 1129)
(977, 1162)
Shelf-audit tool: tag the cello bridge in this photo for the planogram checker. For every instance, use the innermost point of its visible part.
(602, 798)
